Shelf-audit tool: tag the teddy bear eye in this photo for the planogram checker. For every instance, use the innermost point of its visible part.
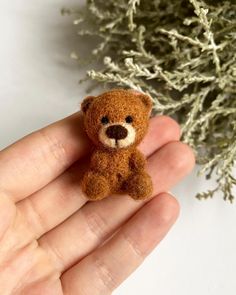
(128, 119)
(105, 120)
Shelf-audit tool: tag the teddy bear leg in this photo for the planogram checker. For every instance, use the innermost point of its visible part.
(95, 186)
(139, 186)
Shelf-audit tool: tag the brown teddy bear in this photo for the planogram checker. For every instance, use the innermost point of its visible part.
(116, 121)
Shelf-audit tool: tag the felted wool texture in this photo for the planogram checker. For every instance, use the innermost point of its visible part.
(116, 122)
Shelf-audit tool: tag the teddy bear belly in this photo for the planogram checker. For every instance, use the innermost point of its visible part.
(116, 176)
(117, 180)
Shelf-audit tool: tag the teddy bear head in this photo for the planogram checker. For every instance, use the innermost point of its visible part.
(117, 119)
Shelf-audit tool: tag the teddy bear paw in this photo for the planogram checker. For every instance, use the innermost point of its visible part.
(95, 186)
(139, 186)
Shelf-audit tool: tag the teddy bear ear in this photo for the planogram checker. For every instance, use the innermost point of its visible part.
(86, 103)
(146, 100)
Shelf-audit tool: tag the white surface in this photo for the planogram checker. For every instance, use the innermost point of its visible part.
(39, 85)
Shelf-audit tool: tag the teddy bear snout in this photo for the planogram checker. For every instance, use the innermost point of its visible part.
(116, 132)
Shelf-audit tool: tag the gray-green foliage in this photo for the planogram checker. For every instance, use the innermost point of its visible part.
(182, 53)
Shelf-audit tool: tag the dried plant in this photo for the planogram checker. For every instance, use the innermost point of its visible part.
(182, 53)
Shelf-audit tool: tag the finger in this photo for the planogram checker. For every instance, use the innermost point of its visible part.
(64, 196)
(37, 159)
(162, 129)
(7, 212)
(107, 267)
(95, 222)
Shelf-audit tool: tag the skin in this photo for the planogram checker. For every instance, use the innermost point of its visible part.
(52, 239)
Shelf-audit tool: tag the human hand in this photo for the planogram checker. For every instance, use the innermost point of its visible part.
(52, 239)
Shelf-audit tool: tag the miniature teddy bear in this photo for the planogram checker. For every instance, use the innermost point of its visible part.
(116, 122)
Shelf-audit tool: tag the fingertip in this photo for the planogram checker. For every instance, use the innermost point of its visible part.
(173, 130)
(181, 156)
(187, 161)
(166, 208)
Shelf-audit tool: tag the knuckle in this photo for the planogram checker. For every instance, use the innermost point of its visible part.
(133, 246)
(105, 275)
(56, 148)
(96, 224)
(34, 217)
(54, 253)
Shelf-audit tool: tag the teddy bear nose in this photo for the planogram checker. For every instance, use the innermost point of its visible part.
(117, 132)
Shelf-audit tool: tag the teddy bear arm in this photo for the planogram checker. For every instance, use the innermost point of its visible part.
(99, 161)
(137, 161)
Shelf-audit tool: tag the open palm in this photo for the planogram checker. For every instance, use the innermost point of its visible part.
(52, 241)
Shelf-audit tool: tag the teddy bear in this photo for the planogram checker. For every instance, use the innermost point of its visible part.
(116, 122)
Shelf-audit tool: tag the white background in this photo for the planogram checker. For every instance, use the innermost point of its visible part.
(39, 84)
